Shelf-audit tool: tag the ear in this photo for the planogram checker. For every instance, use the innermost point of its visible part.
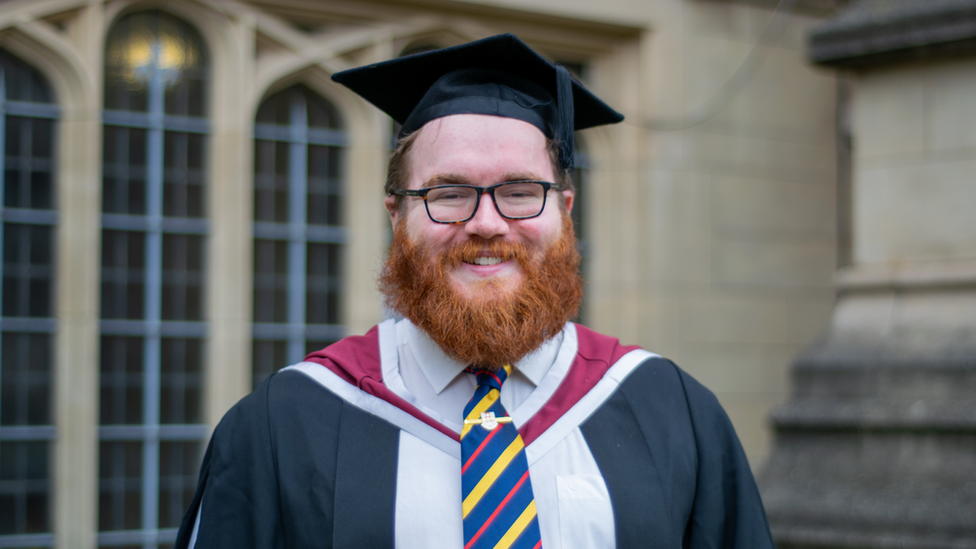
(390, 203)
(568, 197)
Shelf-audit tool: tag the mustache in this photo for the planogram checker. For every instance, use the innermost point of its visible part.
(469, 250)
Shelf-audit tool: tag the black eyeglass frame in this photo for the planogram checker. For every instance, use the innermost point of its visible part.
(422, 193)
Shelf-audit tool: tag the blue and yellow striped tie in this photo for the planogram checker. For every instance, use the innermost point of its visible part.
(497, 502)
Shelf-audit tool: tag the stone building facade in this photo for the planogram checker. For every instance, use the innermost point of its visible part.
(877, 444)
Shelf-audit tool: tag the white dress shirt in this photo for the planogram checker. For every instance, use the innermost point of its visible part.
(571, 497)
(438, 385)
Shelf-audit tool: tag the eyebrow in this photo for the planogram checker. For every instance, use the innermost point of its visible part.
(457, 179)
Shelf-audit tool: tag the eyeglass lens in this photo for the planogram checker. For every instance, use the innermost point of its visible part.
(514, 200)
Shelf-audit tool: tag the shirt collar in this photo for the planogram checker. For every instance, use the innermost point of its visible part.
(440, 369)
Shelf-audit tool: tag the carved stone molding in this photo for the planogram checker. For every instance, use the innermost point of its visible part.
(874, 32)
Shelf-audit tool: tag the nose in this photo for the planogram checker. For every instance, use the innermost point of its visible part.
(486, 223)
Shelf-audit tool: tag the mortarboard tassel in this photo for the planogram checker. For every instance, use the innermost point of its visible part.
(563, 133)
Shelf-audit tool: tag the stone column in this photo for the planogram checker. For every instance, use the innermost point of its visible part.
(877, 445)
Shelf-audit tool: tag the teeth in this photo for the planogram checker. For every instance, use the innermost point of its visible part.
(487, 260)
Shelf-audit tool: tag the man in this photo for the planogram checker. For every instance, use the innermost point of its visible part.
(483, 418)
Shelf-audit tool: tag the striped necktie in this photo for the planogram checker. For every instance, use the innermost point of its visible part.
(497, 502)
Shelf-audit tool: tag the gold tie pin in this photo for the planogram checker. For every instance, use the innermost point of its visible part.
(488, 420)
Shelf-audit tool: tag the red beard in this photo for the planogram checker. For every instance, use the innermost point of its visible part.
(492, 326)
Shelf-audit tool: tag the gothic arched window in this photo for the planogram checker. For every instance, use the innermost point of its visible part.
(28, 213)
(298, 233)
(154, 229)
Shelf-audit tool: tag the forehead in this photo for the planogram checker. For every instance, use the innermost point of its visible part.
(480, 150)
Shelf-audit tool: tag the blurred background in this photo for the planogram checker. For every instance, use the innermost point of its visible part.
(189, 203)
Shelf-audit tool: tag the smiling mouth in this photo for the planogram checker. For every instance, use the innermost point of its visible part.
(485, 261)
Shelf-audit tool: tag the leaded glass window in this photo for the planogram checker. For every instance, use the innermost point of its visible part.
(28, 211)
(152, 283)
(298, 233)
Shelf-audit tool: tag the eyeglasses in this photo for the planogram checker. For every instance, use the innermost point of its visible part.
(458, 203)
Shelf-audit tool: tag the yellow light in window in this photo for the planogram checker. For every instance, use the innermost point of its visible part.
(146, 53)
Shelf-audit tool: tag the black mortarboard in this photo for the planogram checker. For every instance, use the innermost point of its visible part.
(499, 75)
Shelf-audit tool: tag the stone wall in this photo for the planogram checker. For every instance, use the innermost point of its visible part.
(875, 447)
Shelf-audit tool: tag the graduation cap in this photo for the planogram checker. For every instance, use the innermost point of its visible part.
(499, 76)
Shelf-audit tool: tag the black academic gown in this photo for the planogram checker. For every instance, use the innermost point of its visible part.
(293, 465)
